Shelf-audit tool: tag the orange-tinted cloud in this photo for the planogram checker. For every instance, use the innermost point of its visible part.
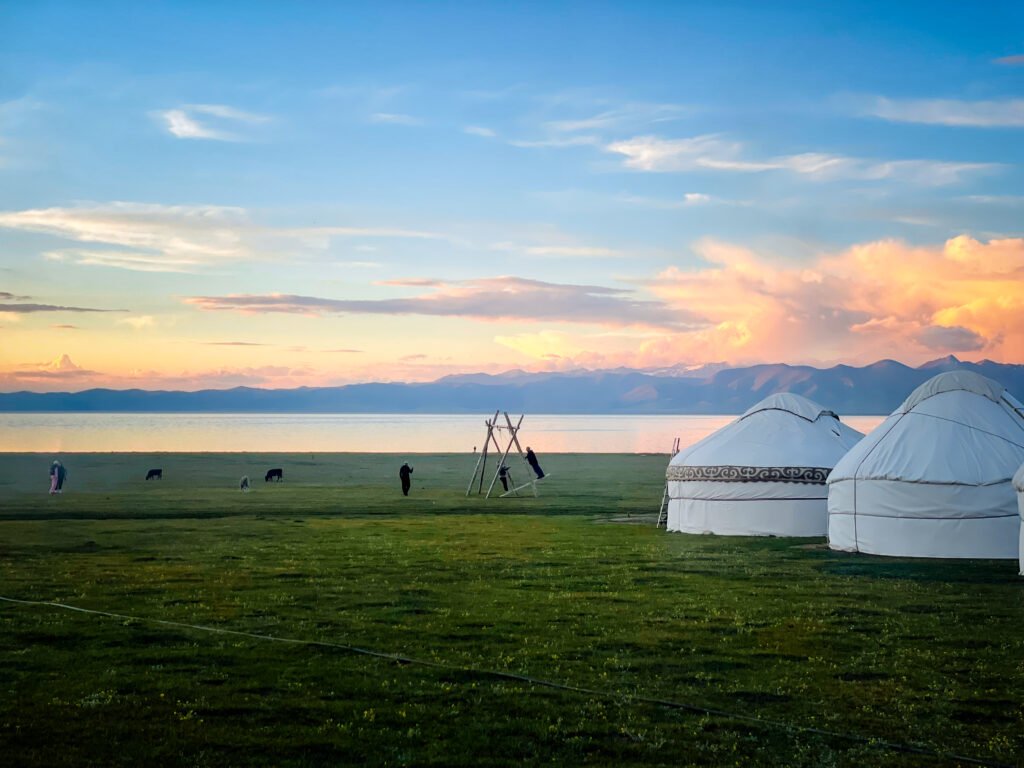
(870, 301)
(874, 300)
(61, 369)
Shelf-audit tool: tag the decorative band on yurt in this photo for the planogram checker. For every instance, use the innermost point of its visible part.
(733, 474)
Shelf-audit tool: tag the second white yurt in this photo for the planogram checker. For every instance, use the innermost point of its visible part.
(762, 475)
(934, 478)
(1018, 485)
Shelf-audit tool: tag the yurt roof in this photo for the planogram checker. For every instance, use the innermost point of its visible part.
(791, 403)
(954, 381)
(957, 428)
(784, 430)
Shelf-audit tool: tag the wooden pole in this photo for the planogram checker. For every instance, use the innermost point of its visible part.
(476, 469)
(495, 426)
(504, 455)
(483, 458)
(515, 432)
(481, 463)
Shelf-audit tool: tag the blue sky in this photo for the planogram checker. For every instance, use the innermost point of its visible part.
(427, 181)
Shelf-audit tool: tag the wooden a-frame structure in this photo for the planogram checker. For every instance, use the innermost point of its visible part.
(494, 428)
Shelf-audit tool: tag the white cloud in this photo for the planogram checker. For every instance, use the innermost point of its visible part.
(179, 124)
(818, 164)
(712, 152)
(228, 113)
(932, 173)
(627, 115)
(556, 249)
(1004, 113)
(134, 261)
(180, 238)
(183, 123)
(592, 129)
(184, 233)
(651, 153)
(394, 118)
(688, 200)
(138, 322)
(479, 130)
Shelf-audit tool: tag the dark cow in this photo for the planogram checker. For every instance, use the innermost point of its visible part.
(157, 474)
(276, 475)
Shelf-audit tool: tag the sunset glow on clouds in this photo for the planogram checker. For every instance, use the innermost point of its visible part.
(963, 297)
(449, 192)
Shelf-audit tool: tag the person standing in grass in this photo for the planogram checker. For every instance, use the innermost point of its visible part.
(531, 459)
(57, 475)
(405, 473)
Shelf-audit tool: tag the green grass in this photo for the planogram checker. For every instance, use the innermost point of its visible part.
(557, 588)
(206, 485)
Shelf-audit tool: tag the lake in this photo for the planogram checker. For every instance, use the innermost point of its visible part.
(349, 432)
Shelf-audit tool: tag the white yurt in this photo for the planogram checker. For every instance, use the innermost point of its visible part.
(762, 475)
(1018, 485)
(934, 478)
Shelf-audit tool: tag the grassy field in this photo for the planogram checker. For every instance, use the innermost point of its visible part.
(561, 588)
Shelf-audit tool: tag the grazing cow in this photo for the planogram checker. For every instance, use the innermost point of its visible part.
(157, 474)
(243, 485)
(276, 474)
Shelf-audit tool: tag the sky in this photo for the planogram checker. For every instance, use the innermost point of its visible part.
(207, 195)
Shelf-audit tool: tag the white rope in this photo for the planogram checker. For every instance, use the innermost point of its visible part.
(593, 692)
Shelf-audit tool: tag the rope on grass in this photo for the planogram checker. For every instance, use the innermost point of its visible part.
(761, 722)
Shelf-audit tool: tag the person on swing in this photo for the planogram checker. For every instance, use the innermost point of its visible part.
(503, 476)
(531, 459)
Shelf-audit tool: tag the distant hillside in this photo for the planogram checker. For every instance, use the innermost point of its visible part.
(873, 389)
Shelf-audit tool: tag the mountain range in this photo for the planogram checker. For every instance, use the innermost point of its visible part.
(712, 389)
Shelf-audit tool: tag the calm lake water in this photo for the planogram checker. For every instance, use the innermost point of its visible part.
(344, 432)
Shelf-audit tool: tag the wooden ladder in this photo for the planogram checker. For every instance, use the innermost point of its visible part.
(663, 512)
